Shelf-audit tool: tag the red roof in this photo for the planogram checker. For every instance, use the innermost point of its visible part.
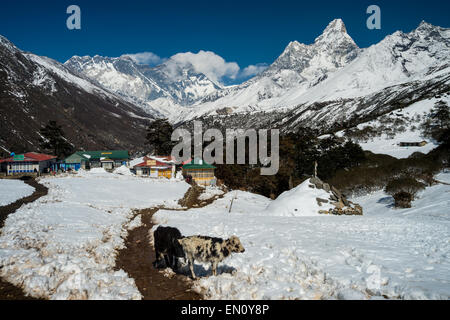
(30, 156)
(187, 161)
(157, 163)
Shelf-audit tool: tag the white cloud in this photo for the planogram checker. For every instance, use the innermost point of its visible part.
(144, 58)
(253, 70)
(208, 63)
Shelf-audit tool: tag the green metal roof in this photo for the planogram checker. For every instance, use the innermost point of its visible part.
(198, 166)
(195, 164)
(97, 155)
(74, 158)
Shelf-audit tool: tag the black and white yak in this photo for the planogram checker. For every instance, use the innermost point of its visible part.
(208, 249)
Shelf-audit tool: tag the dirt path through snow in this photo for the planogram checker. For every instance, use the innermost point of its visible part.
(136, 259)
(7, 290)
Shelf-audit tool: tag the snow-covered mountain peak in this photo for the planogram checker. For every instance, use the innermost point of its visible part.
(165, 87)
(293, 46)
(335, 35)
(300, 66)
(333, 49)
(426, 27)
(294, 57)
(398, 59)
(428, 31)
(332, 67)
(7, 44)
(336, 26)
(424, 47)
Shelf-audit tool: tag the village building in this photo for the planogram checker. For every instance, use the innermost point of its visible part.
(201, 172)
(107, 160)
(156, 167)
(30, 162)
(413, 144)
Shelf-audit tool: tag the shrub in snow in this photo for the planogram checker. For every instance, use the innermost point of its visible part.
(404, 184)
(403, 190)
(403, 199)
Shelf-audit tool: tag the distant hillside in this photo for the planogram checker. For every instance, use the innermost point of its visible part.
(34, 90)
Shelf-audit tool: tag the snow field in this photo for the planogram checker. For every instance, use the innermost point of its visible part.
(387, 253)
(123, 170)
(210, 192)
(13, 190)
(390, 146)
(64, 245)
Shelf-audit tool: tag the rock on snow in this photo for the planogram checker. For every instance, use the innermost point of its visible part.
(300, 201)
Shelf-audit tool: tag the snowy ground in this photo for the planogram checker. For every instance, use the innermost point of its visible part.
(64, 245)
(390, 145)
(13, 190)
(210, 192)
(443, 177)
(387, 253)
(386, 145)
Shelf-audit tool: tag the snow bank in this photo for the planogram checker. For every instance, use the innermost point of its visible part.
(123, 170)
(299, 202)
(13, 190)
(97, 170)
(210, 192)
(387, 253)
(443, 177)
(136, 161)
(135, 223)
(64, 245)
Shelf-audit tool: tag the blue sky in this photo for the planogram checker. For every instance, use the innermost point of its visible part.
(244, 32)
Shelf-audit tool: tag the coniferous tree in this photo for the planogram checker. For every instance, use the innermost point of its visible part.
(54, 140)
(437, 125)
(159, 134)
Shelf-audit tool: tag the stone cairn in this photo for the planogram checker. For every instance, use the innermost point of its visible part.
(341, 205)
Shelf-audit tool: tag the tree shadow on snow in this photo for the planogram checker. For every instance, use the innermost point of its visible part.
(388, 201)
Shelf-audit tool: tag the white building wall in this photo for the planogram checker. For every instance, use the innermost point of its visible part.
(14, 167)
